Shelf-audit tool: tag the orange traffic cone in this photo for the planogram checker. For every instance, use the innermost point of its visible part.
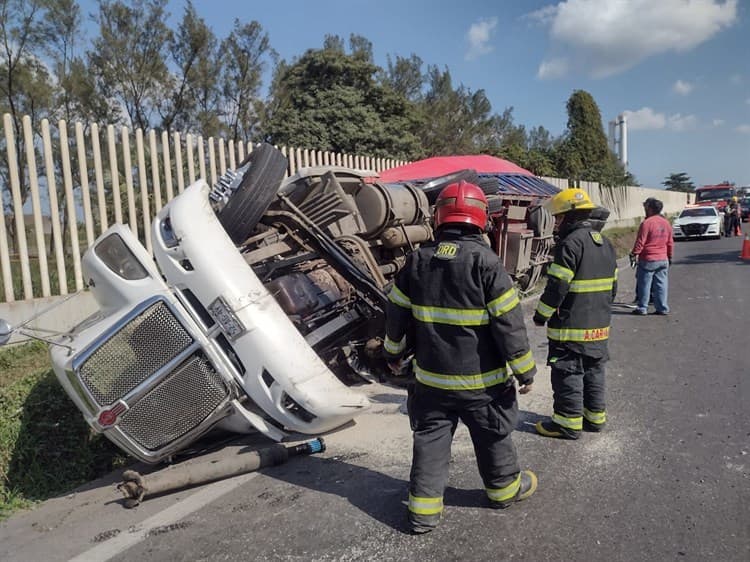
(745, 255)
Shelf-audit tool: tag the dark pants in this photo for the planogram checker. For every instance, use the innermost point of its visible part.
(434, 415)
(578, 390)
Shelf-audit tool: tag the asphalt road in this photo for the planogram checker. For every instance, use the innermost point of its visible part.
(668, 480)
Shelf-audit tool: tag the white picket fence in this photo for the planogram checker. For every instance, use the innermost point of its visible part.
(128, 182)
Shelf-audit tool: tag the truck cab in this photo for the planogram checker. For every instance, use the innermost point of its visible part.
(716, 195)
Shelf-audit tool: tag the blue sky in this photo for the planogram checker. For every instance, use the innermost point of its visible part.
(679, 69)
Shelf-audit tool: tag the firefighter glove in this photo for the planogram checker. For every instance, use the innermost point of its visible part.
(539, 320)
(526, 379)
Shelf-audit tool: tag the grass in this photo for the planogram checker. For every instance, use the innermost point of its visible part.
(36, 277)
(46, 447)
(622, 239)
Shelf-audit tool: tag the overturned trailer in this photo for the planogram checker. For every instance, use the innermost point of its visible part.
(262, 308)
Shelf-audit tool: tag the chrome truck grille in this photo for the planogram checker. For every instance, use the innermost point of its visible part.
(139, 349)
(159, 417)
(154, 365)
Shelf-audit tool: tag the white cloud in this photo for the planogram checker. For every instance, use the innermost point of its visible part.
(544, 16)
(552, 68)
(743, 129)
(683, 88)
(679, 122)
(717, 122)
(610, 36)
(736, 78)
(646, 119)
(479, 36)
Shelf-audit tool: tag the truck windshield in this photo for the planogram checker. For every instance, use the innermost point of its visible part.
(713, 194)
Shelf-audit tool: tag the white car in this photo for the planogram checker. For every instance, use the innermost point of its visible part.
(698, 222)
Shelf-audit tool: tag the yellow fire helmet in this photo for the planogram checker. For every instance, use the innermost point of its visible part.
(569, 200)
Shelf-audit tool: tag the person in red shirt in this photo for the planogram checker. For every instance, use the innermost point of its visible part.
(653, 251)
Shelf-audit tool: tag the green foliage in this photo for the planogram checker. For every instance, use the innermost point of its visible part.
(679, 182)
(193, 99)
(330, 100)
(405, 76)
(457, 120)
(246, 50)
(583, 153)
(46, 447)
(128, 56)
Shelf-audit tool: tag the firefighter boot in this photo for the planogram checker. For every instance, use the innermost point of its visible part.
(548, 428)
(592, 427)
(526, 488)
(421, 525)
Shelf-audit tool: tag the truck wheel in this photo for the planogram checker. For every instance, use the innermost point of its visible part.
(433, 187)
(260, 182)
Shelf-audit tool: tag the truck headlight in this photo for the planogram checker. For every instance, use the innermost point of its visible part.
(118, 257)
(167, 234)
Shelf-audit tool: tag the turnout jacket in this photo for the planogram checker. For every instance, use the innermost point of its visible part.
(581, 285)
(455, 307)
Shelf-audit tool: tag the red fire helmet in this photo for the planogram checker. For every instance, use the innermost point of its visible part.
(462, 203)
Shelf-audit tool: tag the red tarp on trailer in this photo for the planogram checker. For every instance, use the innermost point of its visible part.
(511, 179)
(442, 165)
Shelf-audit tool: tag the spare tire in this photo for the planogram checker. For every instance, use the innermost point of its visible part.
(265, 169)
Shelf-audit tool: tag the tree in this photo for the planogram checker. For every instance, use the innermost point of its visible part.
(583, 154)
(330, 100)
(26, 87)
(405, 76)
(679, 182)
(76, 95)
(456, 120)
(247, 51)
(129, 56)
(194, 97)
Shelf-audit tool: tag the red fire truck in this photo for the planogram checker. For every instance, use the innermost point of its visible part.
(716, 195)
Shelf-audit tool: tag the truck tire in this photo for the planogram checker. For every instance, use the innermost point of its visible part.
(433, 187)
(256, 190)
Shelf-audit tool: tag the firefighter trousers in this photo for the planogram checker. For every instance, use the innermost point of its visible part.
(434, 416)
(578, 390)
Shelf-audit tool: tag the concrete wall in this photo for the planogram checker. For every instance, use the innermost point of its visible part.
(626, 203)
(60, 318)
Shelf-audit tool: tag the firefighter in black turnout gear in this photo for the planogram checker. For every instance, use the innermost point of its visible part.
(454, 305)
(576, 306)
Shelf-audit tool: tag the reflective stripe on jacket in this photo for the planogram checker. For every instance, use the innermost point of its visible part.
(462, 312)
(581, 285)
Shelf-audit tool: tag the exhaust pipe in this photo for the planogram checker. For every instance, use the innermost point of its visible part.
(135, 486)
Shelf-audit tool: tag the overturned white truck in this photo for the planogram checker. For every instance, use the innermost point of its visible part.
(262, 307)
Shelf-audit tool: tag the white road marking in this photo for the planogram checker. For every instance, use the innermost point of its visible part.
(178, 511)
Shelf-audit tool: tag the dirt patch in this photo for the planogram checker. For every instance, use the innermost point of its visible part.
(105, 535)
(163, 529)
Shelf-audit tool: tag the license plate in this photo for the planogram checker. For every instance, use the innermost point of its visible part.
(224, 317)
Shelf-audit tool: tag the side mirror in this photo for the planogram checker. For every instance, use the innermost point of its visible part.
(6, 330)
